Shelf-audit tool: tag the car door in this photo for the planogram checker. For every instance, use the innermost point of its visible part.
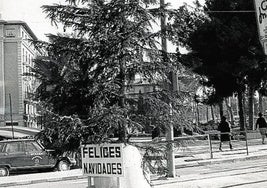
(36, 156)
(15, 154)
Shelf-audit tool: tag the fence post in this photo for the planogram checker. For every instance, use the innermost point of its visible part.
(210, 146)
(246, 138)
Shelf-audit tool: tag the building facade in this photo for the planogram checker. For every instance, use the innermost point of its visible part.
(16, 89)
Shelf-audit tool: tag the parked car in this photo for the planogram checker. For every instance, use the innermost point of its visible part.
(29, 154)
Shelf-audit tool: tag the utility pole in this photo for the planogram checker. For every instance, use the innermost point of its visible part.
(170, 134)
(10, 101)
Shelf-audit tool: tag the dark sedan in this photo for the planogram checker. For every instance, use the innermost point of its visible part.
(26, 154)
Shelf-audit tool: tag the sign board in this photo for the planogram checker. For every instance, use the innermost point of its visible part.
(102, 160)
(261, 16)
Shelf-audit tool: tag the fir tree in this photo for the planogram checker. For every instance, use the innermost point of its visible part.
(85, 73)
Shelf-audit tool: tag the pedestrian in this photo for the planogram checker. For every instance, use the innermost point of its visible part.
(224, 128)
(262, 126)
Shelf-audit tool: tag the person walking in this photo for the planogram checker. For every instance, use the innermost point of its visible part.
(262, 126)
(224, 128)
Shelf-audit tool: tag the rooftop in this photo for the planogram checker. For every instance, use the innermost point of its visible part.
(18, 22)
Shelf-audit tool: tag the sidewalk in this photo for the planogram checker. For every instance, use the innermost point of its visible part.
(10, 181)
(255, 148)
(201, 155)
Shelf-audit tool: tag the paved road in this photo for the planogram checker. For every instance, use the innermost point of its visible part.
(245, 174)
(242, 174)
(79, 183)
(191, 167)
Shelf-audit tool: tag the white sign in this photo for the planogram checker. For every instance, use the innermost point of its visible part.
(261, 14)
(102, 160)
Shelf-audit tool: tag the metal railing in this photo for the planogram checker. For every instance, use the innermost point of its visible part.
(195, 147)
(234, 135)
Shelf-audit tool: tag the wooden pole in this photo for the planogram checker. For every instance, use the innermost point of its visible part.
(11, 118)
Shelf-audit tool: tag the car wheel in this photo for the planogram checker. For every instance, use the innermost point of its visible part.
(63, 165)
(4, 171)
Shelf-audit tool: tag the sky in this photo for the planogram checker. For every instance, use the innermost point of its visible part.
(30, 12)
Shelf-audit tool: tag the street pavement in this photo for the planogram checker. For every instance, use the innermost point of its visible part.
(245, 174)
(239, 174)
(188, 159)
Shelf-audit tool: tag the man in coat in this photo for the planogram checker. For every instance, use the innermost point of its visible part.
(224, 128)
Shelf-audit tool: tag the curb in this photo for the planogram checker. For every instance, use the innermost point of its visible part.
(203, 162)
(253, 157)
(42, 181)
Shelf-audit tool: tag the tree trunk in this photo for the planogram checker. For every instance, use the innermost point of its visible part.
(197, 113)
(221, 109)
(212, 113)
(207, 113)
(229, 109)
(122, 126)
(241, 110)
(250, 108)
(260, 103)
